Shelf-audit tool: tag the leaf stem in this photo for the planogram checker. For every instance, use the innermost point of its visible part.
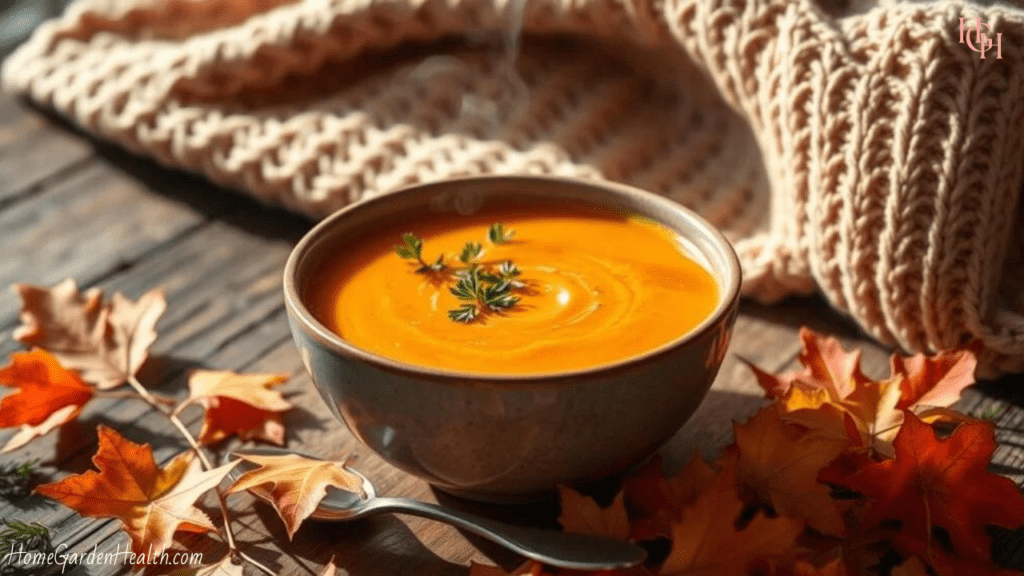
(172, 415)
(119, 394)
(256, 564)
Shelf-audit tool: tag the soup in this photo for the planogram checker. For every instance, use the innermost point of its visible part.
(544, 289)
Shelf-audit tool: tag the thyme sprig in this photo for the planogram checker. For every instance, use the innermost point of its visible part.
(411, 248)
(481, 287)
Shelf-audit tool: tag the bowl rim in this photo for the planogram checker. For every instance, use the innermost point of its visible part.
(728, 301)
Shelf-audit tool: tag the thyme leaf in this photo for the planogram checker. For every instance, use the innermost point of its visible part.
(465, 313)
(497, 235)
(481, 287)
(470, 252)
(411, 247)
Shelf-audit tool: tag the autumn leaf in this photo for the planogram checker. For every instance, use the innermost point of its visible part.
(654, 501)
(944, 564)
(151, 503)
(581, 515)
(225, 567)
(937, 483)
(330, 569)
(826, 367)
(106, 342)
(242, 405)
(779, 464)
(911, 567)
(297, 484)
(706, 542)
(831, 387)
(834, 568)
(873, 407)
(934, 380)
(48, 396)
(528, 568)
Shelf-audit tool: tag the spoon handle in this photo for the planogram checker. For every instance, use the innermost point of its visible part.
(561, 549)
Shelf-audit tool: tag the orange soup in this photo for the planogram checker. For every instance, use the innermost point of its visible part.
(558, 289)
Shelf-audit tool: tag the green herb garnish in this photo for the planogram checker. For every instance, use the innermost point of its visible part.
(497, 235)
(16, 480)
(482, 287)
(411, 248)
(470, 252)
(16, 533)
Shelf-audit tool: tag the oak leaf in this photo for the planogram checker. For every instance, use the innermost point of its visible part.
(779, 464)
(934, 483)
(581, 515)
(706, 541)
(151, 503)
(296, 484)
(106, 342)
(225, 567)
(239, 404)
(48, 396)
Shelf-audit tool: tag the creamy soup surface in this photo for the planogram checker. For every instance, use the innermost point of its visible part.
(594, 287)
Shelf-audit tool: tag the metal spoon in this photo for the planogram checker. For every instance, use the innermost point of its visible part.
(572, 551)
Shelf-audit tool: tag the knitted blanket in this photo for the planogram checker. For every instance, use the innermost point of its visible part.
(870, 153)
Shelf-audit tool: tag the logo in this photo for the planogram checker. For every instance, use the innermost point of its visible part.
(981, 42)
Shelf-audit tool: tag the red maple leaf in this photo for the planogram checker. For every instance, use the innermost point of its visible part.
(936, 482)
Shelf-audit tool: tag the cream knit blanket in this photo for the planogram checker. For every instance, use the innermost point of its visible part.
(868, 154)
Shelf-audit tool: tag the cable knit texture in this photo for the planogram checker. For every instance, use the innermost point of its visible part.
(868, 155)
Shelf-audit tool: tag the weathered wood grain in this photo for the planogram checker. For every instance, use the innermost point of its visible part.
(33, 148)
(83, 227)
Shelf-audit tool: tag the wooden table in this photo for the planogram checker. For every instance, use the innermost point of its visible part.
(75, 207)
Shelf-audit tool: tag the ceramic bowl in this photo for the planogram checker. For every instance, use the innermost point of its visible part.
(512, 438)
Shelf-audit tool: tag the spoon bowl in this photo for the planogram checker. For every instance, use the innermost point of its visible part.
(560, 549)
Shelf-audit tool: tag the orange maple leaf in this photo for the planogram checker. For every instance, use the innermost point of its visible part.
(934, 381)
(239, 404)
(654, 501)
(779, 463)
(910, 567)
(151, 503)
(945, 564)
(297, 484)
(937, 483)
(48, 396)
(834, 568)
(706, 541)
(826, 367)
(107, 342)
(581, 515)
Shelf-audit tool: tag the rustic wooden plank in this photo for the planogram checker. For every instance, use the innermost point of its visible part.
(33, 148)
(84, 227)
(223, 283)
